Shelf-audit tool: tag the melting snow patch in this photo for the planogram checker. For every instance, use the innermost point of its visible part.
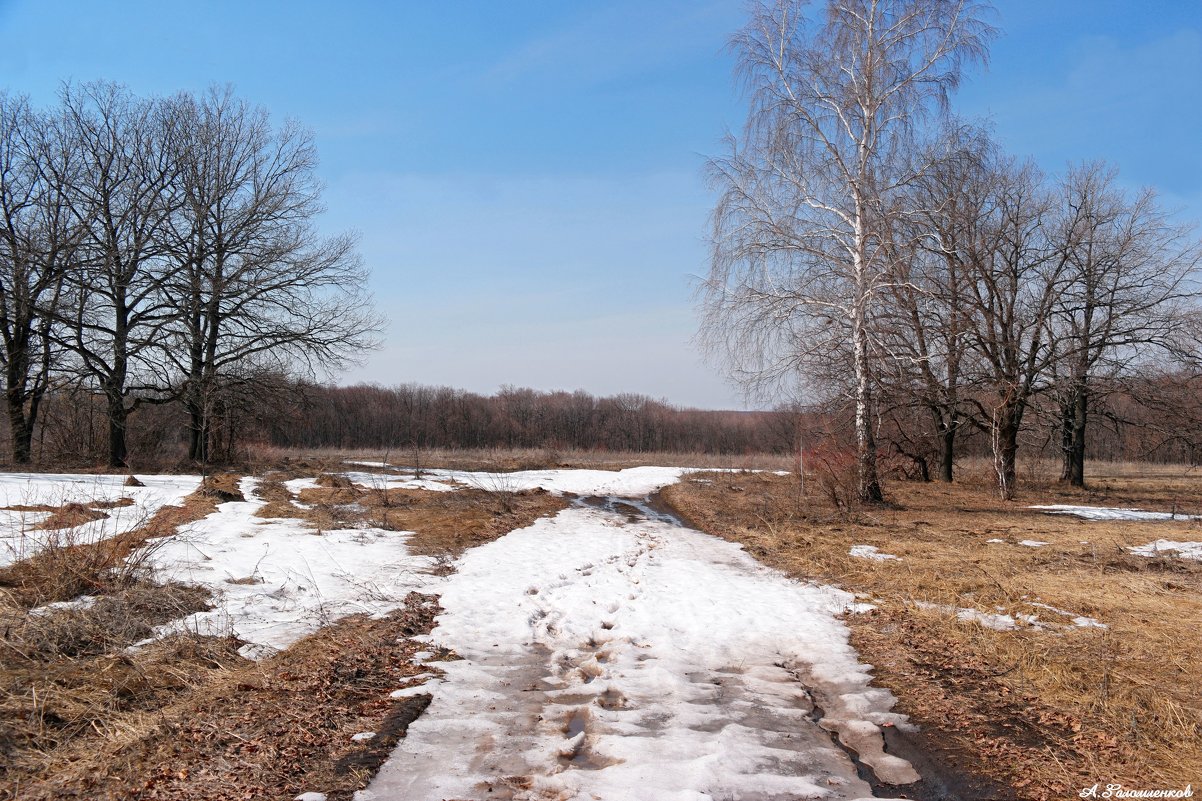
(995, 539)
(363, 736)
(654, 662)
(1111, 513)
(1004, 622)
(279, 580)
(1032, 543)
(311, 797)
(82, 602)
(1184, 550)
(870, 552)
(19, 538)
(986, 619)
(633, 482)
(417, 689)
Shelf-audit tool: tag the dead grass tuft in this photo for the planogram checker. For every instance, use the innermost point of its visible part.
(119, 503)
(224, 487)
(106, 623)
(332, 496)
(334, 481)
(70, 515)
(1046, 711)
(445, 524)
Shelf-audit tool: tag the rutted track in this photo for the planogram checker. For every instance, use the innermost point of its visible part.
(608, 652)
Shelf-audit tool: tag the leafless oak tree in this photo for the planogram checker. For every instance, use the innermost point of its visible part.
(124, 194)
(1128, 287)
(252, 289)
(39, 238)
(925, 328)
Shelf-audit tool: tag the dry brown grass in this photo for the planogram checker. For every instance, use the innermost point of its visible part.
(70, 515)
(257, 730)
(447, 523)
(444, 524)
(510, 459)
(1044, 711)
(65, 674)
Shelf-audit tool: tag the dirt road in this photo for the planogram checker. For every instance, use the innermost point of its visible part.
(611, 653)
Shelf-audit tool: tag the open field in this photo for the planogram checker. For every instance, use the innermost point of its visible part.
(1094, 674)
(262, 663)
(234, 642)
(509, 459)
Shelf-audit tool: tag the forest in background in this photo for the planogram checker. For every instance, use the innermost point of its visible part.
(1153, 420)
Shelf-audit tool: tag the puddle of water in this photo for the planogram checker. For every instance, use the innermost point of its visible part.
(576, 723)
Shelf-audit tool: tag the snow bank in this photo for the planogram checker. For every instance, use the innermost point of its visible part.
(608, 658)
(19, 540)
(279, 580)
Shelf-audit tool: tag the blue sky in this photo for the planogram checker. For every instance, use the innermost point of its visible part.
(526, 176)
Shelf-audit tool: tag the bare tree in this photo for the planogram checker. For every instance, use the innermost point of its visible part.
(926, 327)
(1127, 285)
(1018, 271)
(837, 101)
(254, 290)
(123, 193)
(39, 237)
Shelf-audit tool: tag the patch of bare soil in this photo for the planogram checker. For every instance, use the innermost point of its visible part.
(1045, 709)
(270, 729)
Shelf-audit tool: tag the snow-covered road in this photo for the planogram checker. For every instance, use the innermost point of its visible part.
(610, 653)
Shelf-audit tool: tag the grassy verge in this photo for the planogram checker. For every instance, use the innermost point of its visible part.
(1047, 707)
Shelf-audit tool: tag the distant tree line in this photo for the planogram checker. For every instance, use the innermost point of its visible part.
(407, 420)
(879, 251)
(412, 416)
(162, 251)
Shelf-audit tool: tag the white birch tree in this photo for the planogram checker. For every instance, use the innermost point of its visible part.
(839, 97)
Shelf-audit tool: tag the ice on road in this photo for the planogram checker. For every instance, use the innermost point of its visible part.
(609, 653)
